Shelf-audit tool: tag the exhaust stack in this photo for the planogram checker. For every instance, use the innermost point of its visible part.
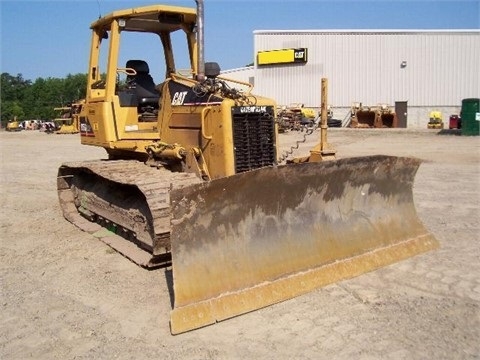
(200, 42)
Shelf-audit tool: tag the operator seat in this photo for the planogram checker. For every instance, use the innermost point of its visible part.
(143, 83)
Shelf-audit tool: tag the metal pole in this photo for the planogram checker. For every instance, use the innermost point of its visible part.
(200, 41)
(324, 115)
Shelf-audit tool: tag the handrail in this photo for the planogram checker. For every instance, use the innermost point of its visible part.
(204, 111)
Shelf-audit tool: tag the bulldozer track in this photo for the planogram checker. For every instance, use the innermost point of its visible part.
(118, 224)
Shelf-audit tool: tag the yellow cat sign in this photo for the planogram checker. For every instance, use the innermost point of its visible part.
(284, 56)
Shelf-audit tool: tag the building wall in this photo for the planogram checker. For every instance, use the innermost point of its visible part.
(244, 75)
(440, 68)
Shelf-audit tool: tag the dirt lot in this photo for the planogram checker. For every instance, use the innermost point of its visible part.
(66, 295)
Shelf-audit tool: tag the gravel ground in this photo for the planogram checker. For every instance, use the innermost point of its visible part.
(66, 295)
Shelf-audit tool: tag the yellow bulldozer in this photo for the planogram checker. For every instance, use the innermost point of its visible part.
(193, 179)
(68, 120)
(13, 125)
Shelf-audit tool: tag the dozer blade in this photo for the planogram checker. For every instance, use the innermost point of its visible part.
(254, 239)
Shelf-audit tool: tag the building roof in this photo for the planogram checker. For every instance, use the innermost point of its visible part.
(369, 31)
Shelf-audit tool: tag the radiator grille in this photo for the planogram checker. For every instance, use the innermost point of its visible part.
(253, 137)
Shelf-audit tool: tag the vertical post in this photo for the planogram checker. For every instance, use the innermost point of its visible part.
(324, 115)
(323, 151)
(200, 41)
(112, 60)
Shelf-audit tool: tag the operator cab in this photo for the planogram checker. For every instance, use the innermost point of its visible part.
(142, 83)
(140, 90)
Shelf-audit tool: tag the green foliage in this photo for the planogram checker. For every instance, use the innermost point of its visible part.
(27, 100)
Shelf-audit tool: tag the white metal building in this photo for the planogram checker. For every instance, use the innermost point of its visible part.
(418, 70)
(245, 74)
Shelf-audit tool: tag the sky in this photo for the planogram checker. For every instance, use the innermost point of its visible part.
(51, 38)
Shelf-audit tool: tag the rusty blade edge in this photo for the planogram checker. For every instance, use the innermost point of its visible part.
(226, 306)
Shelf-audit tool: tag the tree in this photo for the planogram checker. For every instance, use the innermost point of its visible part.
(75, 87)
(12, 93)
(27, 100)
